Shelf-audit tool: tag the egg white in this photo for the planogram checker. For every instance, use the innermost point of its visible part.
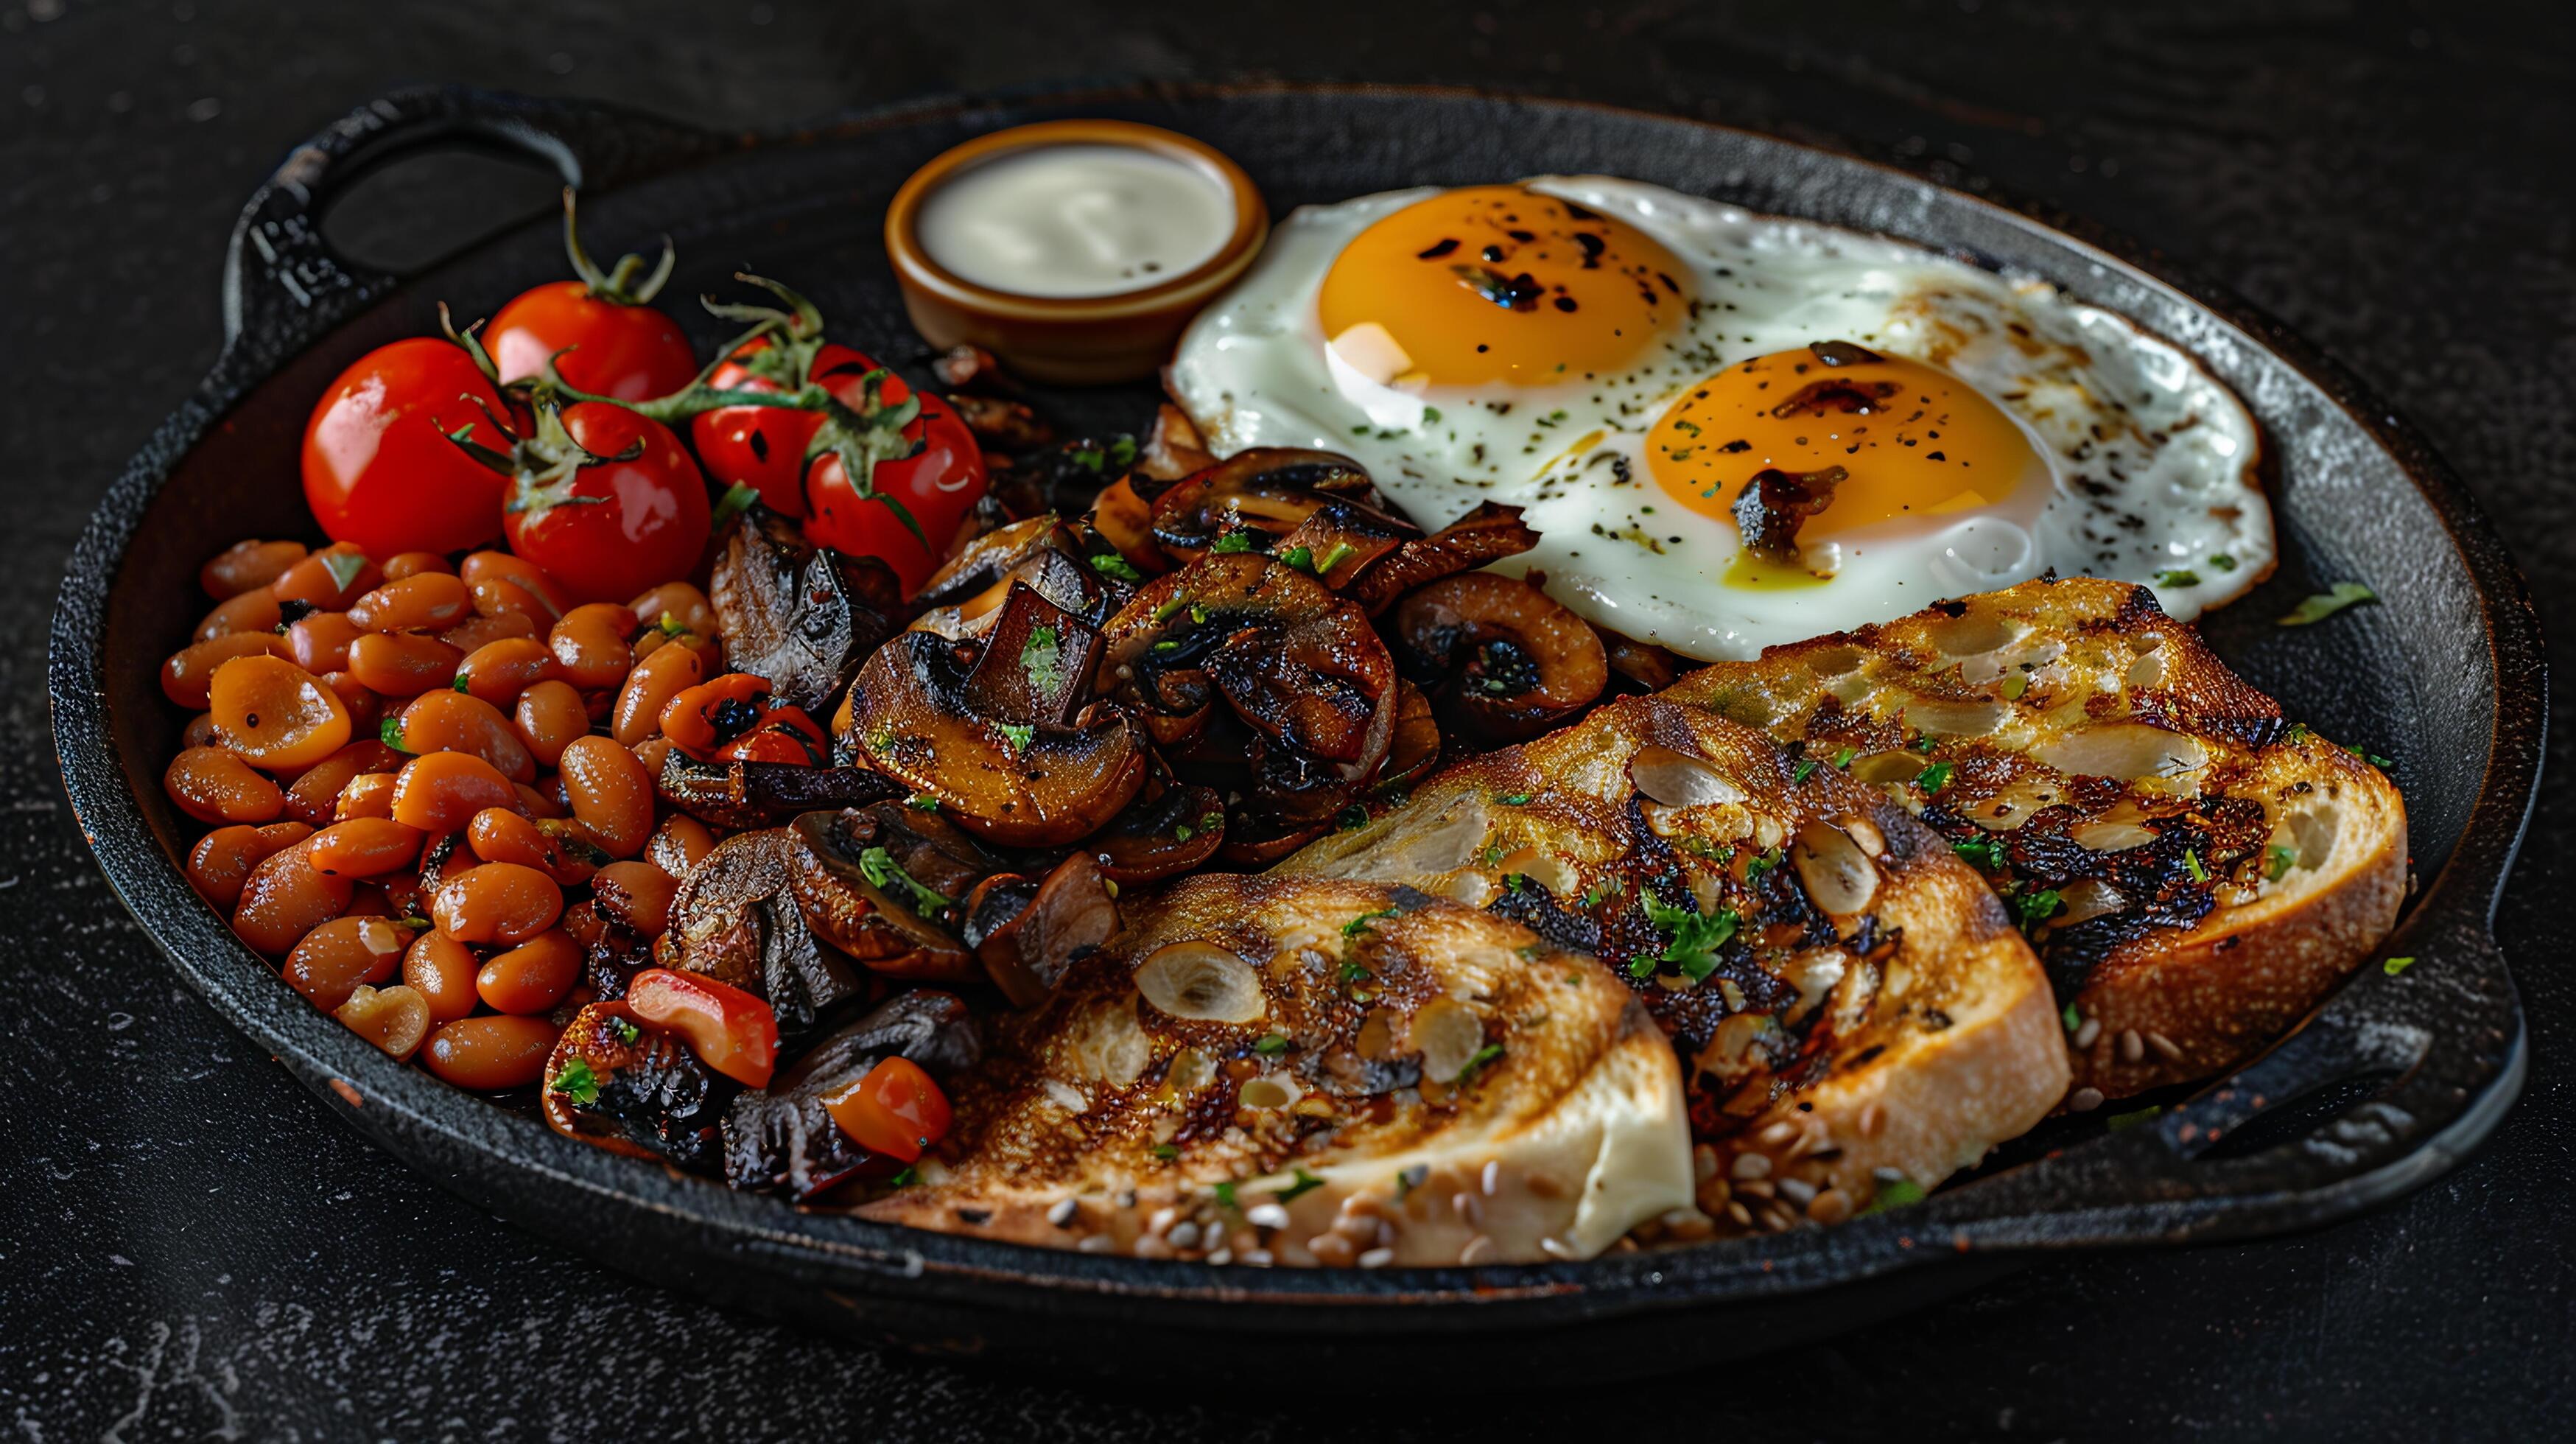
(2151, 460)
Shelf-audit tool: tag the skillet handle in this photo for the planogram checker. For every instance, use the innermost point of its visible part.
(284, 284)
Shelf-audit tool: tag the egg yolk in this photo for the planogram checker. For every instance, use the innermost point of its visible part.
(1911, 440)
(1498, 283)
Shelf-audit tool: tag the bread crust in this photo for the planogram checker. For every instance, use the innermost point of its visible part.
(2300, 844)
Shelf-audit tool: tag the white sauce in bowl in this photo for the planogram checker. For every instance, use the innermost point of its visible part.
(1072, 221)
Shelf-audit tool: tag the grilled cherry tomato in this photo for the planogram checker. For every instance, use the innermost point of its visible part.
(379, 470)
(764, 447)
(780, 734)
(896, 1110)
(612, 341)
(616, 524)
(730, 1030)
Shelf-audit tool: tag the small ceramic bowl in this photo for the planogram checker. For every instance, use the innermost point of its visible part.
(1079, 339)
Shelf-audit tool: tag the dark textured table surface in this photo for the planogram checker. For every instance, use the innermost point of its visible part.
(189, 1247)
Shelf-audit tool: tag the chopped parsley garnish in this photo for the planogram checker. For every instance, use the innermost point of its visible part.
(1271, 1045)
(1306, 1183)
(1608, 888)
(1492, 854)
(1039, 658)
(1484, 1058)
(1019, 735)
(2177, 577)
(2326, 603)
(1923, 743)
(2373, 758)
(626, 1031)
(879, 867)
(1512, 881)
(2119, 1121)
(2222, 561)
(2298, 733)
(1111, 564)
(2394, 966)
(2035, 907)
(1238, 540)
(1365, 921)
(2191, 864)
(1697, 936)
(1430, 415)
(343, 567)
(1642, 966)
(1167, 1151)
(1225, 1196)
(2278, 860)
(1985, 852)
(2073, 1020)
(1760, 864)
(1356, 973)
(577, 1083)
(1302, 558)
(1935, 777)
(1806, 768)
(922, 802)
(1895, 1194)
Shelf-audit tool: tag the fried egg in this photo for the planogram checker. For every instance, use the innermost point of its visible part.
(1625, 362)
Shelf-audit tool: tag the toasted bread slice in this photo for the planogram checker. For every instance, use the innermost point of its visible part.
(2195, 870)
(1852, 1002)
(1307, 1071)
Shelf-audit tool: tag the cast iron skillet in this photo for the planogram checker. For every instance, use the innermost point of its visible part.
(2385, 1088)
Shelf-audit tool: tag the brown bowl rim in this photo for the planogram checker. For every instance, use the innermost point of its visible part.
(914, 267)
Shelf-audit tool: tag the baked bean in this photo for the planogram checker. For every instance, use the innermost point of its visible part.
(277, 715)
(422, 602)
(416, 564)
(319, 642)
(450, 721)
(490, 1054)
(329, 579)
(187, 676)
(363, 847)
(649, 688)
(200, 732)
(366, 708)
(591, 644)
(499, 835)
(637, 894)
(223, 859)
(677, 844)
(395, 1019)
(253, 611)
(442, 971)
(441, 791)
(247, 566)
(675, 606)
(500, 597)
(213, 784)
(399, 664)
(479, 631)
(369, 794)
(653, 752)
(540, 805)
(533, 976)
(315, 796)
(498, 902)
(487, 566)
(339, 955)
(498, 671)
(370, 900)
(610, 793)
(283, 899)
(550, 716)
